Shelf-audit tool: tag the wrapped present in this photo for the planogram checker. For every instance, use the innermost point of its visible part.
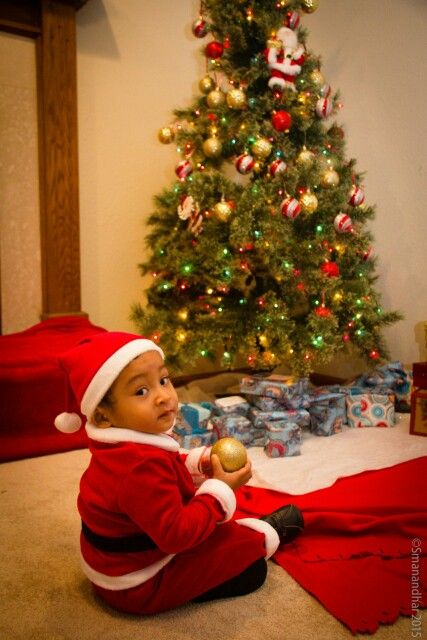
(290, 392)
(283, 441)
(390, 378)
(190, 441)
(192, 415)
(370, 410)
(231, 404)
(264, 403)
(327, 413)
(233, 425)
(259, 418)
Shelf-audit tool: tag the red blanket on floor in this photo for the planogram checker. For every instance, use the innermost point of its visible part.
(33, 388)
(363, 553)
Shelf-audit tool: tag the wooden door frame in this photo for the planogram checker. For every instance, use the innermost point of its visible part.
(52, 24)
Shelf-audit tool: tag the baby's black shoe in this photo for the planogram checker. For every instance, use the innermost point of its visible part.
(287, 521)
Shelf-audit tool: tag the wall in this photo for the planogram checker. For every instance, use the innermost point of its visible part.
(20, 257)
(137, 61)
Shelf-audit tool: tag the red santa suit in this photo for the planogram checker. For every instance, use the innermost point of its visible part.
(140, 484)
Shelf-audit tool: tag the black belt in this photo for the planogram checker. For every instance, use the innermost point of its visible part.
(130, 544)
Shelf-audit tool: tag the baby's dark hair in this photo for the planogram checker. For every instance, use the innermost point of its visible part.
(107, 400)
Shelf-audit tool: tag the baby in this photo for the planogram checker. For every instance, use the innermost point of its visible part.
(151, 540)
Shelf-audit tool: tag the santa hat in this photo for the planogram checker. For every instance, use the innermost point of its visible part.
(92, 366)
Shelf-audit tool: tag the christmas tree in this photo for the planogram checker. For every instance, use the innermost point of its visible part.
(259, 250)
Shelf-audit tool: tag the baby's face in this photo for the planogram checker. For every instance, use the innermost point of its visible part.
(143, 396)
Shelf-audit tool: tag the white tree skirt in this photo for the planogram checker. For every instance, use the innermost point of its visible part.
(325, 459)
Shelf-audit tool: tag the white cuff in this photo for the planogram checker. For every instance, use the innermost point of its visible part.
(272, 540)
(222, 492)
(193, 459)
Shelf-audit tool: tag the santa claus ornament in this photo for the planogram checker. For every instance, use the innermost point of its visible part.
(284, 55)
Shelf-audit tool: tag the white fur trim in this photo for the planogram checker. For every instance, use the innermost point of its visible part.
(113, 435)
(288, 37)
(222, 492)
(126, 581)
(108, 372)
(68, 422)
(272, 540)
(193, 459)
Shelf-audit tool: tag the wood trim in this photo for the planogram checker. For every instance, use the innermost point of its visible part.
(58, 158)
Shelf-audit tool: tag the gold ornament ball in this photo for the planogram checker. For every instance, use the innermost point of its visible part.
(166, 135)
(206, 84)
(308, 202)
(236, 99)
(231, 453)
(330, 178)
(317, 78)
(261, 148)
(305, 158)
(212, 147)
(222, 210)
(309, 6)
(215, 98)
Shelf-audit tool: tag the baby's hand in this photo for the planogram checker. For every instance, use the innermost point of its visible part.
(235, 479)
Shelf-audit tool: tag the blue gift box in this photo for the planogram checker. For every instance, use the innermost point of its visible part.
(193, 440)
(259, 418)
(327, 413)
(283, 441)
(233, 425)
(231, 404)
(288, 391)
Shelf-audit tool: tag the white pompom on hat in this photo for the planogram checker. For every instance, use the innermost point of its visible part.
(92, 366)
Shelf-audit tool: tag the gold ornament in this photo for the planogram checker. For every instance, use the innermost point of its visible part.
(166, 135)
(215, 98)
(231, 453)
(261, 148)
(309, 6)
(305, 158)
(308, 202)
(222, 210)
(206, 84)
(317, 78)
(212, 147)
(236, 99)
(330, 178)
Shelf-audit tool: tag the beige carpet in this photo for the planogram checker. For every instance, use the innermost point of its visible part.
(44, 596)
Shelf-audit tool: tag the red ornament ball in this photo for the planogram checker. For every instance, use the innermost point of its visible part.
(290, 208)
(245, 163)
(292, 20)
(346, 337)
(281, 120)
(183, 169)
(343, 223)
(374, 355)
(200, 28)
(276, 167)
(356, 196)
(214, 50)
(330, 269)
(323, 312)
(324, 107)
